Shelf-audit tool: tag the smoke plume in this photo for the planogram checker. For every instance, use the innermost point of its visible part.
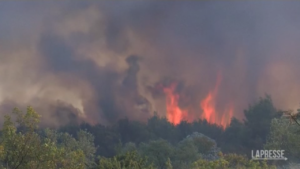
(98, 62)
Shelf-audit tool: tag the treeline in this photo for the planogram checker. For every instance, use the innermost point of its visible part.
(155, 144)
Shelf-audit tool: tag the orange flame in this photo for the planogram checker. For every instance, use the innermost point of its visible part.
(209, 110)
(226, 117)
(174, 113)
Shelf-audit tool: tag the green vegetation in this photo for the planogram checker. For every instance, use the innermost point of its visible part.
(22, 147)
(153, 145)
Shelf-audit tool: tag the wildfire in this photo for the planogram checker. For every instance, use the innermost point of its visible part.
(175, 114)
(209, 108)
(209, 112)
(208, 104)
(226, 117)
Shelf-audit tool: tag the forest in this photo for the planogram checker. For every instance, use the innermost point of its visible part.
(156, 144)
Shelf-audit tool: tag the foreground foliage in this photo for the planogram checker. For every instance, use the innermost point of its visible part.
(130, 160)
(154, 145)
(24, 148)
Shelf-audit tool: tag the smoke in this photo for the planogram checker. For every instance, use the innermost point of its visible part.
(101, 61)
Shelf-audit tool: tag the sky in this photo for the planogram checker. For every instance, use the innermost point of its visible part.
(98, 62)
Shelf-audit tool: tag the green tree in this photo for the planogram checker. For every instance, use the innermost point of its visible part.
(234, 138)
(185, 153)
(83, 141)
(284, 136)
(129, 147)
(258, 121)
(157, 151)
(129, 160)
(132, 131)
(106, 140)
(231, 161)
(169, 164)
(21, 147)
(216, 164)
(162, 128)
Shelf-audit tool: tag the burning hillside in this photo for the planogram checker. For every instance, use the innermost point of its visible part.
(94, 61)
(207, 109)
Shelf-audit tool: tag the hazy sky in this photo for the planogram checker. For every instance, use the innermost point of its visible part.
(99, 60)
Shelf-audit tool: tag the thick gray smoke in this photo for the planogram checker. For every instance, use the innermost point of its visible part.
(102, 61)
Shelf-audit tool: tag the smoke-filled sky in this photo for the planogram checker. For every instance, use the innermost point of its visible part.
(100, 61)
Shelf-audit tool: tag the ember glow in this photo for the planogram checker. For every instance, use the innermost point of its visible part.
(175, 114)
